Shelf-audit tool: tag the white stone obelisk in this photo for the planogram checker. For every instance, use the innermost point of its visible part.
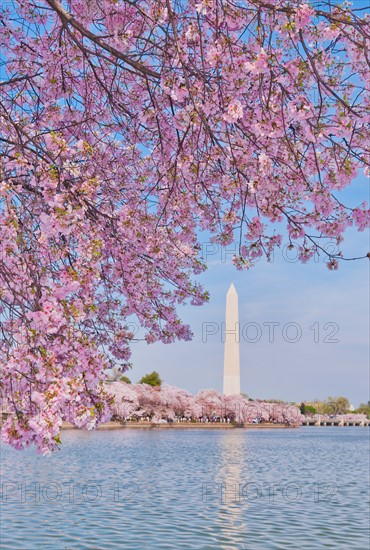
(232, 336)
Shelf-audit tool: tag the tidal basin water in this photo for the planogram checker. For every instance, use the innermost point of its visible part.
(304, 488)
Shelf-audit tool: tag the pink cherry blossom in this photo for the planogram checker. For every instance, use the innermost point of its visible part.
(234, 111)
(303, 16)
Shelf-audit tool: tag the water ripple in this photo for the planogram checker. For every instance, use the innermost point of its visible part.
(227, 490)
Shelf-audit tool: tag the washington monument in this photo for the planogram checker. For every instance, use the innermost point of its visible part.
(231, 358)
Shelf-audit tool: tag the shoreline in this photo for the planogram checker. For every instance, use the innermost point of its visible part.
(114, 425)
(178, 426)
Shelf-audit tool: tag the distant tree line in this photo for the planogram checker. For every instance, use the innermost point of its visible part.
(332, 406)
(152, 379)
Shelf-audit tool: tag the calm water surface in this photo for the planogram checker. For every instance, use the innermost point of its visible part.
(191, 489)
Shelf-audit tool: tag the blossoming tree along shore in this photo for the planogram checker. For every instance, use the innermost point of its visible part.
(142, 401)
(129, 127)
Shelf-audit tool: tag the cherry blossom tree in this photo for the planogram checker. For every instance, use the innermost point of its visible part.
(179, 401)
(126, 399)
(127, 128)
(211, 402)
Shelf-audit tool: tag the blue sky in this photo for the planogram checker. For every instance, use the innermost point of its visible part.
(284, 292)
